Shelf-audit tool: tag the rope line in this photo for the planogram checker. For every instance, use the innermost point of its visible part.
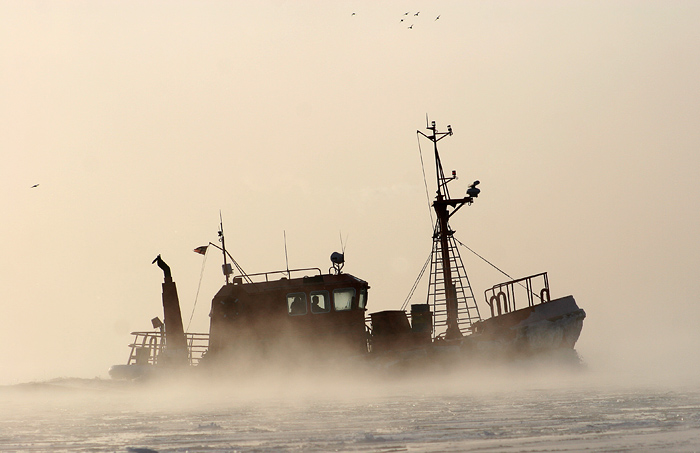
(494, 266)
(425, 181)
(415, 284)
(199, 285)
(487, 261)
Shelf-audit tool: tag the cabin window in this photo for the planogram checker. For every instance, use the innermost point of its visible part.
(296, 303)
(343, 298)
(362, 303)
(320, 302)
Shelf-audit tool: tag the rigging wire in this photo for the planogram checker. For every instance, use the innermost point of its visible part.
(430, 213)
(425, 182)
(199, 285)
(487, 261)
(415, 284)
(493, 265)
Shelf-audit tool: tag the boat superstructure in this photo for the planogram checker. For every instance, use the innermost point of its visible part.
(295, 317)
(524, 318)
(313, 315)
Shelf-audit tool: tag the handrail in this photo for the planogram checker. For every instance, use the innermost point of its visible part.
(284, 272)
(148, 346)
(502, 295)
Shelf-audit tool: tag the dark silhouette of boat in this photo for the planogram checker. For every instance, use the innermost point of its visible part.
(295, 318)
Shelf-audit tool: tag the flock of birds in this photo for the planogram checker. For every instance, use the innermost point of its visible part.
(407, 15)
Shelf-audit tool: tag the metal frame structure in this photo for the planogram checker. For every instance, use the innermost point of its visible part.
(503, 295)
(147, 347)
(453, 301)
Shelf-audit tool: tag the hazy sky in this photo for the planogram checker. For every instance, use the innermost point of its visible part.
(141, 120)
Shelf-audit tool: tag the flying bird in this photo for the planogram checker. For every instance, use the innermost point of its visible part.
(406, 13)
(437, 17)
(352, 14)
(411, 27)
(35, 185)
(417, 13)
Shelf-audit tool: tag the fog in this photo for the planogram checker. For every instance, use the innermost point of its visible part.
(526, 405)
(141, 123)
(341, 383)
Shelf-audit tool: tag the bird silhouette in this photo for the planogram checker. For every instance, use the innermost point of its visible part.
(437, 17)
(35, 185)
(417, 13)
(411, 27)
(352, 14)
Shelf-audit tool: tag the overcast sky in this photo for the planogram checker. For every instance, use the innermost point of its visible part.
(140, 121)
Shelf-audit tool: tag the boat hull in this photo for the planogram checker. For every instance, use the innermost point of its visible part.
(539, 328)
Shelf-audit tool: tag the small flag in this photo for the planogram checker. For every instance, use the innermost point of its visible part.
(201, 249)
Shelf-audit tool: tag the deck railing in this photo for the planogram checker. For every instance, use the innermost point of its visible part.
(501, 298)
(276, 275)
(148, 346)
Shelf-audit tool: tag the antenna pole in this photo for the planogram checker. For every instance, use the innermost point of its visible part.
(343, 243)
(286, 259)
(225, 267)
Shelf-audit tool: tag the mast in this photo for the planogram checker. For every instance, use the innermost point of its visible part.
(226, 267)
(443, 233)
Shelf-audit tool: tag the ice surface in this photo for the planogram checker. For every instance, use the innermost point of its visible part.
(98, 415)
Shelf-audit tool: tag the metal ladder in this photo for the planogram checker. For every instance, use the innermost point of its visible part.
(467, 310)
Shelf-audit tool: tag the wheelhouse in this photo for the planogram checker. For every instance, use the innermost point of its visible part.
(312, 316)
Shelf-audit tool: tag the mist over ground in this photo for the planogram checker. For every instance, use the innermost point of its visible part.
(516, 407)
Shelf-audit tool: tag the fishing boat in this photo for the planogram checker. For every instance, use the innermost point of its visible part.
(302, 317)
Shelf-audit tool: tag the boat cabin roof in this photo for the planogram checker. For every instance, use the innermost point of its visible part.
(305, 283)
